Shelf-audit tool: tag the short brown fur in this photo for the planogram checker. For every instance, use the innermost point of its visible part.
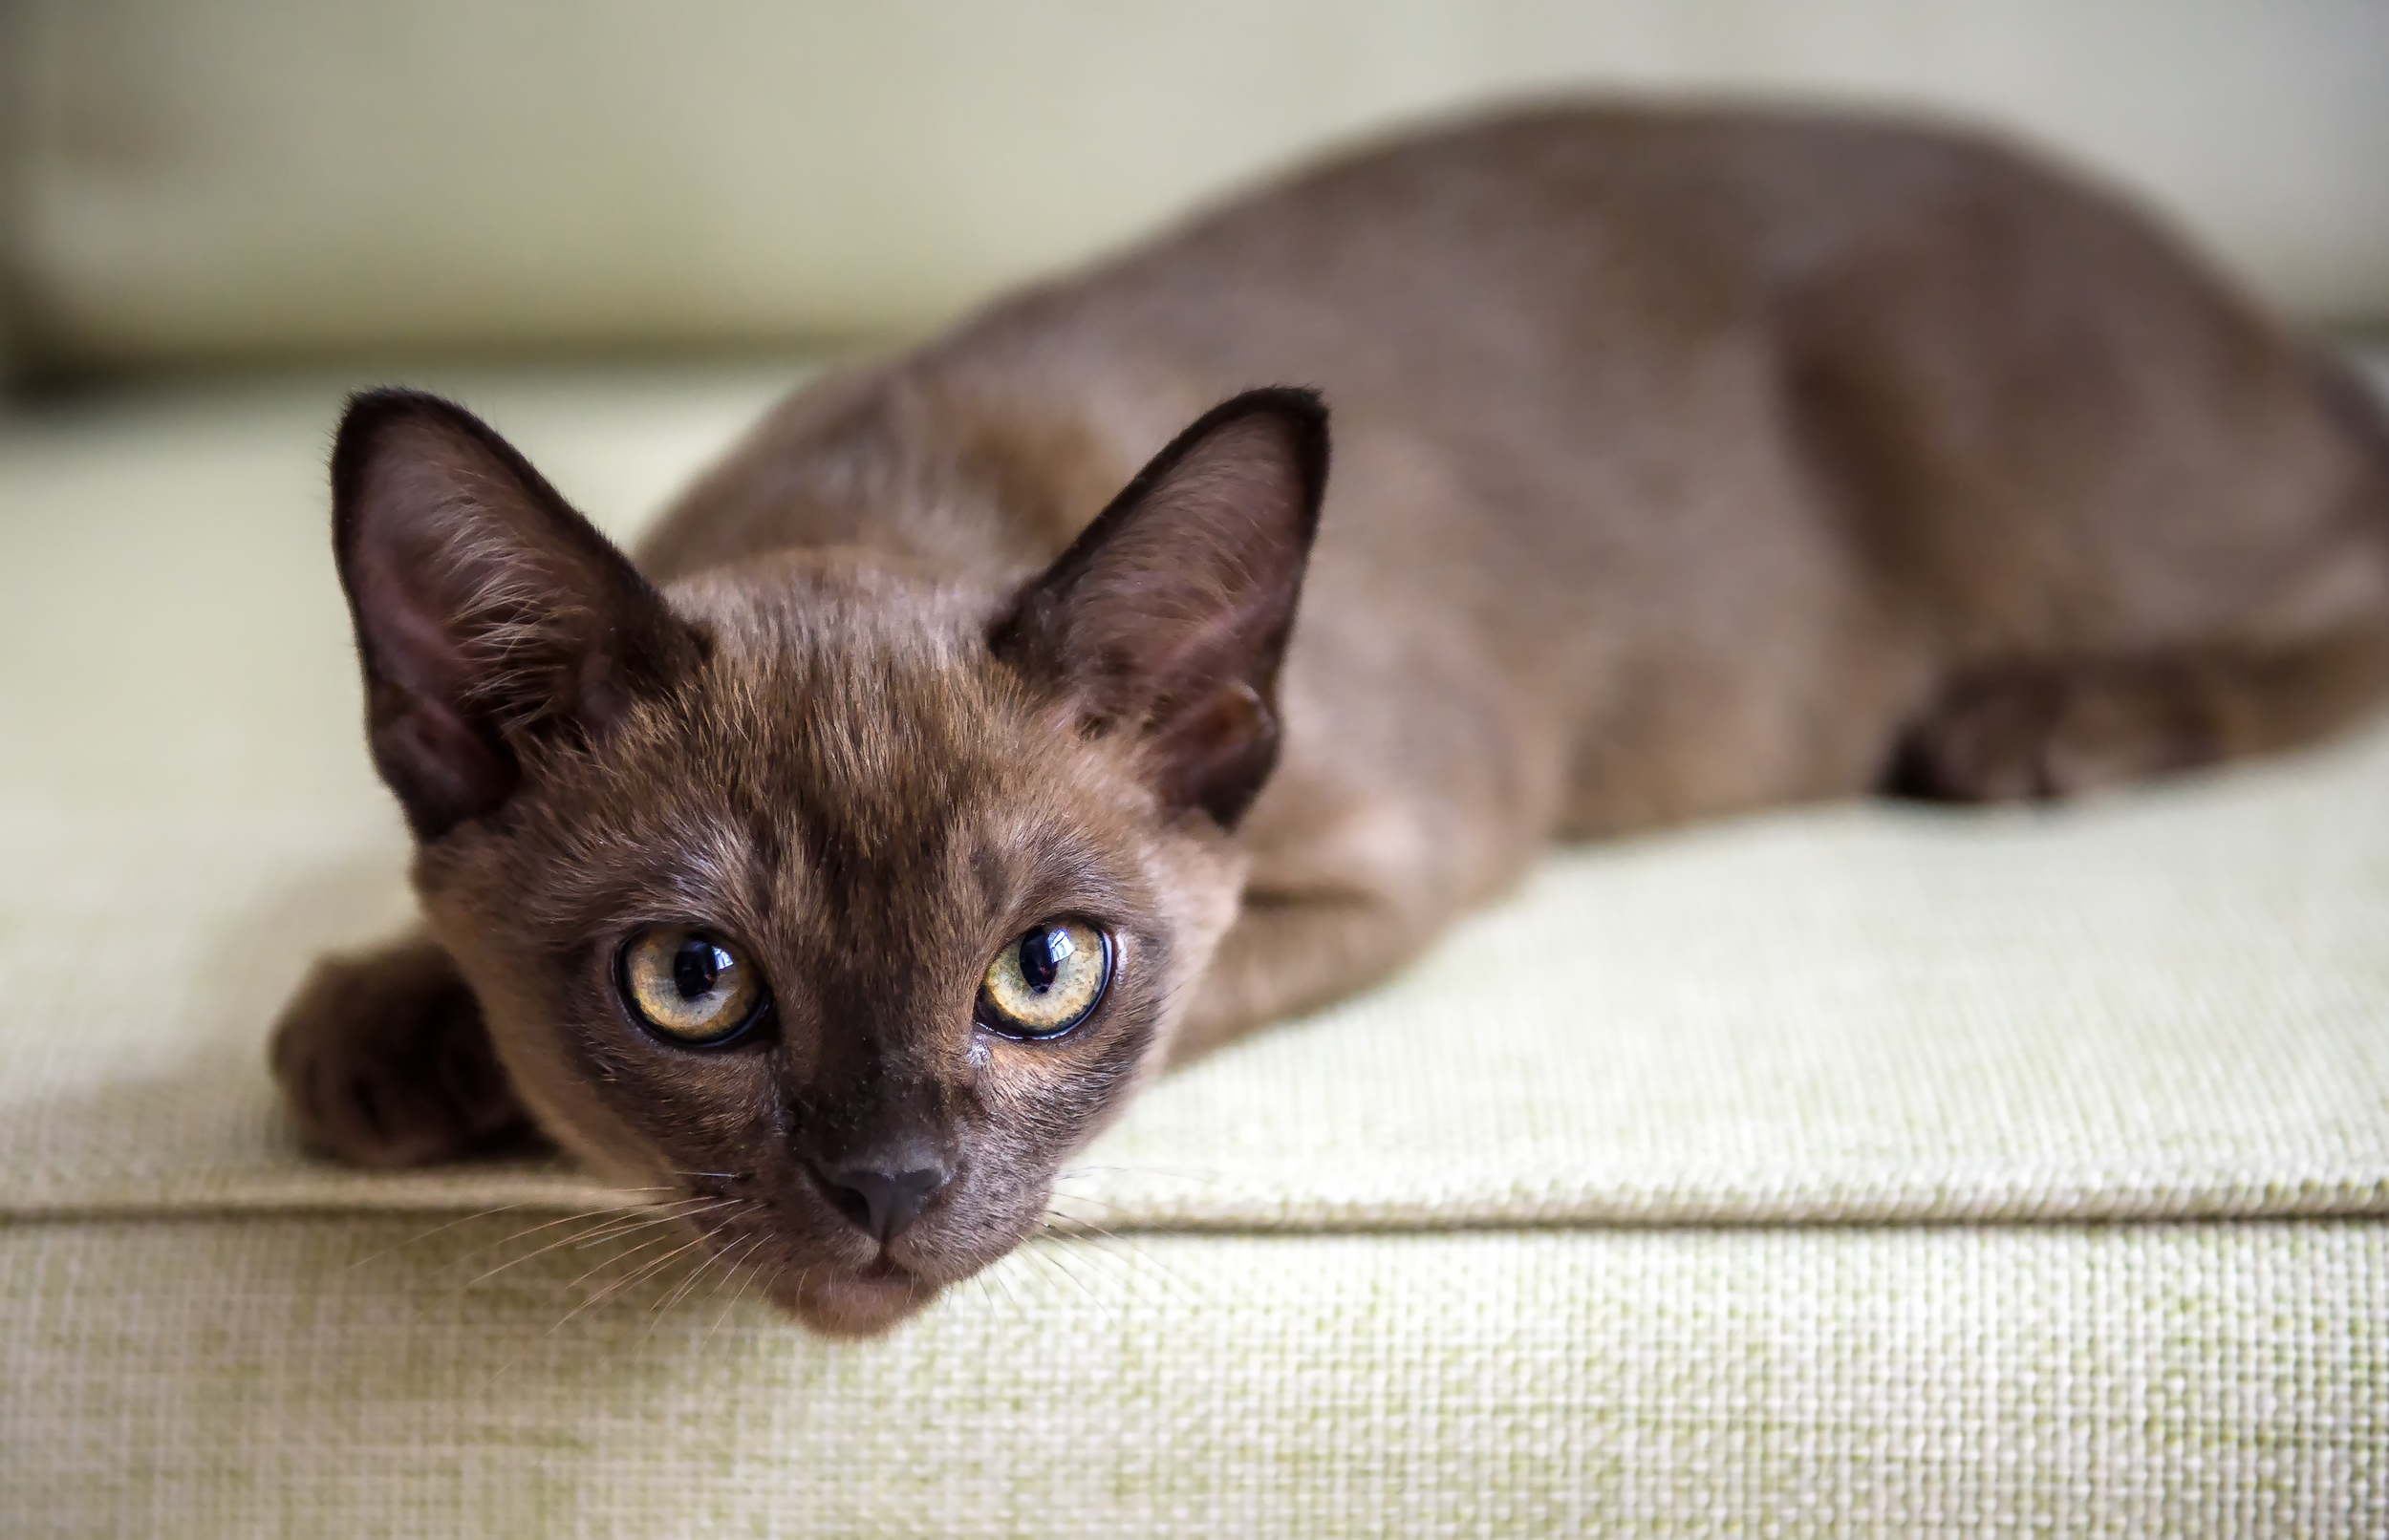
(1685, 462)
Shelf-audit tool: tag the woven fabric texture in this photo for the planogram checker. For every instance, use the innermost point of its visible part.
(301, 1376)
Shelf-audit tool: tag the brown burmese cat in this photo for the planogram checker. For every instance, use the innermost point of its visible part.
(933, 779)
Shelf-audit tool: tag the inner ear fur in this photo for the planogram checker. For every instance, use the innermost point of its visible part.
(1168, 616)
(488, 614)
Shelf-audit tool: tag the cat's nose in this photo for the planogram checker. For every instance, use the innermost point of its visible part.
(884, 1194)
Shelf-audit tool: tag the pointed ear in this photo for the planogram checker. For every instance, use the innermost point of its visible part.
(488, 614)
(1168, 616)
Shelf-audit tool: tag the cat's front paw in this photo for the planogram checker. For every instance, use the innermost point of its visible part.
(384, 1061)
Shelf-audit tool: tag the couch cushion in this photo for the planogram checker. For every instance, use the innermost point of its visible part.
(351, 1376)
(2169, 1003)
(181, 182)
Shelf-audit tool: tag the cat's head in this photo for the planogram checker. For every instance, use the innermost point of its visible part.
(843, 901)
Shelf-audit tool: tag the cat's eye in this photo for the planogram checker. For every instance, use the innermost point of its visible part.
(1046, 980)
(690, 985)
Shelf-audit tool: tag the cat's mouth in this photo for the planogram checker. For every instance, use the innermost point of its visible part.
(852, 1301)
(839, 1282)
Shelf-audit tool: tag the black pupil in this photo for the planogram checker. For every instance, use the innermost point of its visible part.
(697, 967)
(1042, 953)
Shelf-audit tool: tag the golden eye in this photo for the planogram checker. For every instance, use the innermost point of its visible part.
(1048, 981)
(690, 985)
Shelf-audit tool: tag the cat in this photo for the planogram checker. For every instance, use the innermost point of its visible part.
(956, 756)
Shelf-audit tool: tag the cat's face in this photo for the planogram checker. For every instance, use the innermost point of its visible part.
(762, 942)
(839, 901)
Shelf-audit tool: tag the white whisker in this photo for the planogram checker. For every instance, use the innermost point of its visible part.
(745, 1282)
(613, 1214)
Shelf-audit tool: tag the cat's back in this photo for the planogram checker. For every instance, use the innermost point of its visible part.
(1542, 257)
(1596, 371)
(1553, 314)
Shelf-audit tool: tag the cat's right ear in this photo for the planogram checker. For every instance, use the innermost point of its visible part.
(489, 613)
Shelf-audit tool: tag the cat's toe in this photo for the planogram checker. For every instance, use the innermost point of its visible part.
(384, 1062)
(1985, 741)
(2024, 733)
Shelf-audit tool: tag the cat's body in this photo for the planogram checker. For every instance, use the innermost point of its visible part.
(1684, 464)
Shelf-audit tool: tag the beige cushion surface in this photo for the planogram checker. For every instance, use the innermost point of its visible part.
(1744, 1169)
(328, 1376)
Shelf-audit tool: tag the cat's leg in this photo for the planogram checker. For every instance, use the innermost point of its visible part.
(384, 1059)
(2022, 730)
(1287, 954)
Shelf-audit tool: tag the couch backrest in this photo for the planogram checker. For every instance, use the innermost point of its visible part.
(255, 177)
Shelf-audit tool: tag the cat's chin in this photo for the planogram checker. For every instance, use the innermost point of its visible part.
(853, 1304)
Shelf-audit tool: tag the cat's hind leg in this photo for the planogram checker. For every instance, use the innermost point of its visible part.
(384, 1061)
(2033, 730)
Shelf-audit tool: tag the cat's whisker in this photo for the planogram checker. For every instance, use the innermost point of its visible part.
(611, 1213)
(629, 1224)
(1134, 1255)
(610, 1260)
(435, 1229)
(541, 1251)
(623, 1222)
(1175, 1174)
(1065, 1258)
(1132, 1268)
(729, 1258)
(628, 1253)
(1061, 1227)
(645, 1270)
(606, 1229)
(600, 1214)
(679, 1291)
(747, 1281)
(1205, 1180)
(988, 1294)
(688, 1285)
(1061, 1222)
(1037, 1255)
(1081, 1197)
(715, 1228)
(994, 1275)
(1084, 1260)
(1050, 1256)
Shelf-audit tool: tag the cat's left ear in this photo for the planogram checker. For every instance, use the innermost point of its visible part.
(1170, 614)
(490, 616)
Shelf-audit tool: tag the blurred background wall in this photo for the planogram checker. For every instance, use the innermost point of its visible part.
(185, 183)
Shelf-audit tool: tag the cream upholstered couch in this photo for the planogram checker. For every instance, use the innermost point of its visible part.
(1854, 1169)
